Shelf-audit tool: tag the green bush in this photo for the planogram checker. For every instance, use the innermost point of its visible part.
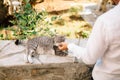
(27, 21)
(75, 10)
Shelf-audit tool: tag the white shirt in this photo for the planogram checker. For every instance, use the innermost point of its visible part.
(103, 46)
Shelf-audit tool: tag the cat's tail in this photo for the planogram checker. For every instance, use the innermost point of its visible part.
(17, 42)
(20, 42)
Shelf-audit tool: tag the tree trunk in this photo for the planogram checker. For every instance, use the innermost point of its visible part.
(3, 12)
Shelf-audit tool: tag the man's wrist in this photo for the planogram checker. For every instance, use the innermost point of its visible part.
(70, 46)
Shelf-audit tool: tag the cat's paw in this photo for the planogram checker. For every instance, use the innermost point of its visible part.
(28, 63)
(26, 58)
(30, 59)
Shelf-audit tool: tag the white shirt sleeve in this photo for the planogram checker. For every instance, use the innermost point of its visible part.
(95, 47)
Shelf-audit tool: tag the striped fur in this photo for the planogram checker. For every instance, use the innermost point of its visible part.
(40, 45)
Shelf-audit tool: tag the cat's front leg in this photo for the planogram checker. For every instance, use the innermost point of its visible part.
(29, 56)
(30, 59)
(26, 56)
(40, 61)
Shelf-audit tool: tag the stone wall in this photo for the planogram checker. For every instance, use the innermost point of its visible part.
(61, 71)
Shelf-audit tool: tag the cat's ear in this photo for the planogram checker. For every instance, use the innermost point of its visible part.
(54, 35)
(64, 35)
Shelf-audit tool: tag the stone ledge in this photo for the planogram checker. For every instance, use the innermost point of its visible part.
(61, 71)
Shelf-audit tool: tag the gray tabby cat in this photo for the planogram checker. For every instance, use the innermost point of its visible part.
(40, 45)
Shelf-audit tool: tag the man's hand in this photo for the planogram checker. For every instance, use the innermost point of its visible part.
(62, 46)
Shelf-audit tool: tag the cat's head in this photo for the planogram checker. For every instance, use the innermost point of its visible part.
(59, 39)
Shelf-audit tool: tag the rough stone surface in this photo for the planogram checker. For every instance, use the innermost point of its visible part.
(59, 5)
(61, 71)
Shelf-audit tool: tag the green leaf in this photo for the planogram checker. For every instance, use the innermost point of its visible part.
(53, 18)
(27, 6)
(1, 35)
(34, 32)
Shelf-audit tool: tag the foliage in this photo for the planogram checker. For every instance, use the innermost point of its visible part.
(75, 10)
(59, 21)
(30, 23)
(27, 20)
(1, 36)
(85, 34)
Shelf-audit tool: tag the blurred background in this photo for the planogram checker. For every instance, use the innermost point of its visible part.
(23, 19)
